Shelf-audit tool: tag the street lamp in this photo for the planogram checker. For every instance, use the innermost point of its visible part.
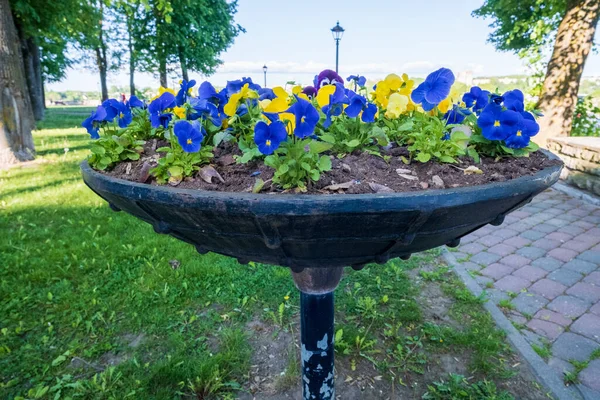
(337, 31)
(265, 71)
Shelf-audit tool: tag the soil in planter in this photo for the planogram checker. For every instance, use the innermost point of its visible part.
(356, 173)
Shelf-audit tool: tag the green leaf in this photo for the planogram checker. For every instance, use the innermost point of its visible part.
(59, 360)
(220, 137)
(175, 171)
(328, 138)
(324, 163)
(305, 166)
(163, 149)
(99, 150)
(353, 143)
(258, 185)
(319, 147)
(447, 159)
(283, 168)
(423, 157)
(407, 126)
(315, 175)
(380, 135)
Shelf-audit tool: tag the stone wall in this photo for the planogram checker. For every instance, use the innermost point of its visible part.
(581, 156)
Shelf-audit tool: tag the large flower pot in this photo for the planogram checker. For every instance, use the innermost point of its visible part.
(317, 235)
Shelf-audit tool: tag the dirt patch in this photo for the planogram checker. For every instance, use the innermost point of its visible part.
(356, 173)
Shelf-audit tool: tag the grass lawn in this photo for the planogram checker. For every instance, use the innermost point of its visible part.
(95, 305)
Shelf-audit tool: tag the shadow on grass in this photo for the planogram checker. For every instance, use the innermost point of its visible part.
(61, 151)
(27, 189)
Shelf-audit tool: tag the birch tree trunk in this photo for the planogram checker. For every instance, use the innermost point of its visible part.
(561, 85)
(16, 116)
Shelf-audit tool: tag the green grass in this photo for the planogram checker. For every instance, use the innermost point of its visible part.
(78, 283)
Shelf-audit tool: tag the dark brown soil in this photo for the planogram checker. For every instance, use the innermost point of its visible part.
(355, 173)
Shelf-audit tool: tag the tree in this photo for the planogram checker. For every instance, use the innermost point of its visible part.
(525, 26)
(16, 116)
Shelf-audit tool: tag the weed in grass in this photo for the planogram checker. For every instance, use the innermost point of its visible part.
(572, 377)
(544, 351)
(436, 275)
(506, 304)
(458, 387)
(292, 373)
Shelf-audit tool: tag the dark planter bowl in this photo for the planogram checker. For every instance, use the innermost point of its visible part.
(303, 231)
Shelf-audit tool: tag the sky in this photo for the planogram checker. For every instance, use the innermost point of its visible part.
(293, 39)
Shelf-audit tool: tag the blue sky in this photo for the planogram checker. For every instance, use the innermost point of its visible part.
(293, 39)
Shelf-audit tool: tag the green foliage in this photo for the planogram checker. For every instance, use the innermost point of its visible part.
(496, 148)
(176, 164)
(297, 162)
(349, 134)
(107, 151)
(458, 387)
(586, 118)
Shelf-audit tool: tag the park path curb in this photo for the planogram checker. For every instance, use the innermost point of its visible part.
(545, 375)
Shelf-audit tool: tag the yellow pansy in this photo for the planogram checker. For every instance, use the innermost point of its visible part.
(323, 95)
(393, 81)
(179, 111)
(232, 105)
(297, 89)
(407, 86)
(397, 104)
(161, 90)
(289, 120)
(279, 104)
(453, 97)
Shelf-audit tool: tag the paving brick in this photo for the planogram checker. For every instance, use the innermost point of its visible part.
(472, 248)
(483, 281)
(530, 273)
(502, 249)
(583, 267)
(596, 248)
(576, 245)
(554, 317)
(515, 261)
(545, 328)
(583, 224)
(578, 212)
(570, 346)
(489, 240)
(469, 238)
(548, 288)
(591, 256)
(496, 295)
(568, 306)
(504, 233)
(567, 218)
(560, 366)
(517, 242)
(563, 254)
(529, 303)
(593, 278)
(588, 325)
(595, 309)
(590, 375)
(565, 276)
(519, 226)
(546, 244)
(556, 222)
(512, 283)
(548, 263)
(460, 256)
(520, 214)
(585, 291)
(546, 228)
(571, 229)
(560, 236)
(517, 317)
(531, 252)
(471, 266)
(496, 271)
(532, 235)
(485, 258)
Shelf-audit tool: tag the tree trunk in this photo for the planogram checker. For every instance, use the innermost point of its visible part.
(182, 62)
(16, 116)
(131, 56)
(561, 85)
(37, 99)
(43, 93)
(162, 69)
(101, 57)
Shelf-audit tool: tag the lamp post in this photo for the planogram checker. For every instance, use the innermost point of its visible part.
(337, 31)
(265, 71)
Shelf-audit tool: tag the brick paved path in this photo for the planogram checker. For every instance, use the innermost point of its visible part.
(545, 260)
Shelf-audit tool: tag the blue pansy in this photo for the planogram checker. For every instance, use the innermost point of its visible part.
(525, 128)
(266, 94)
(456, 115)
(156, 108)
(434, 89)
(203, 108)
(268, 137)
(92, 123)
(237, 85)
(357, 79)
(496, 99)
(184, 90)
(514, 100)
(497, 124)
(189, 135)
(124, 116)
(358, 103)
(476, 98)
(135, 102)
(306, 115)
(271, 116)
(112, 109)
(336, 104)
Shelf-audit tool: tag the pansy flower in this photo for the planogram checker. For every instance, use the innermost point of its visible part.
(514, 100)
(184, 91)
(203, 108)
(434, 89)
(497, 124)
(92, 123)
(112, 107)
(476, 98)
(268, 137)
(189, 135)
(357, 79)
(397, 104)
(266, 94)
(243, 94)
(237, 85)
(157, 116)
(306, 116)
(526, 127)
(335, 103)
(456, 115)
(310, 91)
(358, 104)
(279, 103)
(124, 115)
(135, 102)
(328, 77)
